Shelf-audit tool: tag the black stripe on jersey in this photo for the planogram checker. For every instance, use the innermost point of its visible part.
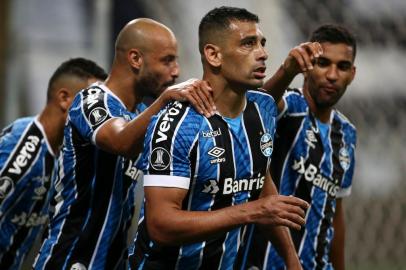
(288, 128)
(213, 250)
(254, 128)
(78, 211)
(94, 106)
(22, 158)
(161, 141)
(336, 138)
(102, 191)
(305, 187)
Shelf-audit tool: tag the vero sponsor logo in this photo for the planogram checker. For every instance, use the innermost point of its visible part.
(24, 155)
(167, 119)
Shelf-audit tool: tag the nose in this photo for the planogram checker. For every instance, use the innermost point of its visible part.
(175, 70)
(332, 73)
(262, 54)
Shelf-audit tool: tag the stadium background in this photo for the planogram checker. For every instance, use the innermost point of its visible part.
(37, 35)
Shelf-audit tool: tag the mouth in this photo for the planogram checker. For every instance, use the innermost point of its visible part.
(259, 73)
(330, 89)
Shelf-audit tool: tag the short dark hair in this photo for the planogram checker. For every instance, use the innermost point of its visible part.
(219, 19)
(78, 67)
(334, 34)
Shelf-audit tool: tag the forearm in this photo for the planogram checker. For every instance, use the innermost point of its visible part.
(278, 83)
(281, 240)
(181, 227)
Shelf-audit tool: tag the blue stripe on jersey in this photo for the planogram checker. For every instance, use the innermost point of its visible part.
(26, 163)
(217, 158)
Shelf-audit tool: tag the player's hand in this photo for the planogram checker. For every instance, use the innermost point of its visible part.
(196, 92)
(279, 210)
(301, 58)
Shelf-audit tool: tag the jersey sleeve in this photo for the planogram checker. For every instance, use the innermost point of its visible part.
(294, 102)
(169, 140)
(349, 153)
(92, 108)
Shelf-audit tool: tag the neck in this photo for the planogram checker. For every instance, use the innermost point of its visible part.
(122, 84)
(230, 102)
(322, 113)
(53, 122)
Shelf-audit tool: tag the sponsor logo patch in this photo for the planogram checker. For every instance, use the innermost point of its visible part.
(211, 133)
(6, 186)
(217, 152)
(160, 159)
(266, 145)
(97, 115)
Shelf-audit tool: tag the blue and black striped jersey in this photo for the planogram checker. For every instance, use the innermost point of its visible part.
(314, 162)
(220, 161)
(26, 164)
(95, 190)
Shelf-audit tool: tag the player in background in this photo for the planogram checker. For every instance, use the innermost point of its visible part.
(314, 149)
(28, 150)
(207, 177)
(103, 136)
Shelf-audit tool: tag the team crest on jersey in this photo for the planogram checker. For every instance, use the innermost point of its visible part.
(344, 158)
(78, 266)
(266, 144)
(6, 186)
(97, 115)
(160, 159)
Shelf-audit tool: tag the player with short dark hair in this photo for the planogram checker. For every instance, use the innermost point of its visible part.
(103, 137)
(28, 149)
(207, 177)
(314, 151)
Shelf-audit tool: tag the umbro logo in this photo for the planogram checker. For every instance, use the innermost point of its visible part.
(216, 152)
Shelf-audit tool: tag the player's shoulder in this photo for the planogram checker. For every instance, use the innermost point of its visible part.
(17, 126)
(346, 123)
(259, 95)
(182, 113)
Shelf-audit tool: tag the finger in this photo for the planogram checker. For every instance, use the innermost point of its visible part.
(305, 53)
(296, 201)
(208, 91)
(203, 100)
(299, 59)
(290, 224)
(196, 102)
(294, 218)
(296, 210)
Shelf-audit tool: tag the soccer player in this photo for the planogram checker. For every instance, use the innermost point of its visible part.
(314, 151)
(28, 150)
(103, 136)
(207, 177)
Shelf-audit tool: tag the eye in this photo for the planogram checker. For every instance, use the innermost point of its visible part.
(249, 42)
(344, 66)
(322, 62)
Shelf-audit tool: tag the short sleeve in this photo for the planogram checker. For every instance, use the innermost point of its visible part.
(347, 151)
(170, 137)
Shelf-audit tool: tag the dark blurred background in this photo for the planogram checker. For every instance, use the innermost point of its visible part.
(37, 35)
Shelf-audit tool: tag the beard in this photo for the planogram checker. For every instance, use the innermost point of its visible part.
(151, 86)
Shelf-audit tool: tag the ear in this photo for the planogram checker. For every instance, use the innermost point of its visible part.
(212, 54)
(134, 57)
(64, 98)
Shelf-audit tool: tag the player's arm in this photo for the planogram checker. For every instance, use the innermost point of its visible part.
(121, 137)
(337, 248)
(168, 224)
(300, 59)
(279, 235)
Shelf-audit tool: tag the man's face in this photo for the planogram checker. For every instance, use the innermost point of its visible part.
(333, 71)
(243, 55)
(160, 68)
